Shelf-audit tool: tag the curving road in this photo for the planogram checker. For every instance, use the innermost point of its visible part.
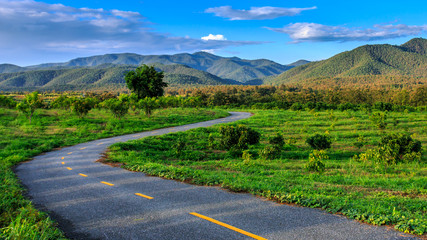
(90, 200)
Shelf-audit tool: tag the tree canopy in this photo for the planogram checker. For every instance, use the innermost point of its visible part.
(145, 81)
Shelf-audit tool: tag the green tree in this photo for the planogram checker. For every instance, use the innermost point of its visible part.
(81, 106)
(117, 107)
(148, 104)
(29, 105)
(145, 81)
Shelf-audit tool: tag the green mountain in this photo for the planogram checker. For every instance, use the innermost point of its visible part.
(227, 68)
(407, 60)
(101, 77)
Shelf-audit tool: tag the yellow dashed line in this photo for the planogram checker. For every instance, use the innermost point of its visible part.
(100, 143)
(62, 163)
(62, 158)
(107, 183)
(144, 196)
(83, 175)
(69, 153)
(69, 168)
(228, 226)
(82, 148)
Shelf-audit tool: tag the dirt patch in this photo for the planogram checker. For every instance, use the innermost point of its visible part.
(104, 160)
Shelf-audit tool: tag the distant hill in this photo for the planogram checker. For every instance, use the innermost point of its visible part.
(408, 60)
(101, 77)
(227, 68)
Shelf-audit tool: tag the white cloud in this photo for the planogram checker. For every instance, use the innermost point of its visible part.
(255, 13)
(217, 37)
(314, 32)
(31, 27)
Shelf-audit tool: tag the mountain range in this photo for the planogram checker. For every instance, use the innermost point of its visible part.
(408, 60)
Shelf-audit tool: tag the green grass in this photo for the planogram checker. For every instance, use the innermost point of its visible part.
(375, 194)
(19, 141)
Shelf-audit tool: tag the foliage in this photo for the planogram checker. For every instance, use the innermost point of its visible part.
(401, 144)
(7, 102)
(119, 108)
(315, 161)
(145, 81)
(277, 140)
(319, 141)
(62, 102)
(81, 106)
(270, 152)
(238, 137)
(379, 119)
(148, 104)
(29, 105)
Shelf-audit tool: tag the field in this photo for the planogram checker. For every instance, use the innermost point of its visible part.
(19, 141)
(378, 194)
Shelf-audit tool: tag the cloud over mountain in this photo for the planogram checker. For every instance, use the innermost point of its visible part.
(314, 32)
(255, 13)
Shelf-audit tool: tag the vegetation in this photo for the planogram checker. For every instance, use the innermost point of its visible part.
(371, 192)
(145, 82)
(409, 60)
(52, 128)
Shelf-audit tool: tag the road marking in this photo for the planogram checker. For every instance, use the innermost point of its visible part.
(228, 226)
(69, 168)
(69, 153)
(144, 196)
(107, 183)
(82, 148)
(83, 175)
(62, 163)
(100, 143)
(62, 158)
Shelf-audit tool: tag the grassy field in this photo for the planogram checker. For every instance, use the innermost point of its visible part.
(19, 141)
(372, 193)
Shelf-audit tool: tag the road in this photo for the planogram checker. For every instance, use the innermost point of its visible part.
(91, 200)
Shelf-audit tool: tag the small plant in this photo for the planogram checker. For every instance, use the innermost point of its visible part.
(246, 156)
(238, 137)
(379, 119)
(315, 161)
(360, 142)
(319, 141)
(277, 140)
(291, 141)
(179, 146)
(211, 141)
(29, 105)
(269, 152)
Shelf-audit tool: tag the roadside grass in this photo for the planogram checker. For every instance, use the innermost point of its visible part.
(371, 193)
(19, 141)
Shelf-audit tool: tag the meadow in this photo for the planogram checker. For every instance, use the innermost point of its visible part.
(370, 192)
(54, 128)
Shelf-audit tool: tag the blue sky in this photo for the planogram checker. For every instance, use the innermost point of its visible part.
(33, 32)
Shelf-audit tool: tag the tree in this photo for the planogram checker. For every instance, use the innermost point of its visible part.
(117, 107)
(29, 105)
(82, 106)
(145, 81)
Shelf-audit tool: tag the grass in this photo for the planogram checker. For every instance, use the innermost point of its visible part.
(371, 193)
(19, 141)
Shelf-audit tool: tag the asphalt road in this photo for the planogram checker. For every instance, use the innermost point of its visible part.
(91, 200)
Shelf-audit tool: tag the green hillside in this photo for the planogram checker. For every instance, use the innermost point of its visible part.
(407, 60)
(105, 76)
(227, 68)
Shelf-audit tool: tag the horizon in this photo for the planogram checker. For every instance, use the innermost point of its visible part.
(58, 31)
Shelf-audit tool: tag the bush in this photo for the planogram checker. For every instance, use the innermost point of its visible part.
(238, 137)
(277, 140)
(394, 148)
(378, 119)
(117, 107)
(319, 141)
(269, 152)
(7, 102)
(315, 161)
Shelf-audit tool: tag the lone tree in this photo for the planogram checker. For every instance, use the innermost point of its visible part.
(145, 81)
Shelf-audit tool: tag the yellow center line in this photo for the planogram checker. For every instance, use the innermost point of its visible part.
(107, 183)
(82, 148)
(228, 226)
(69, 153)
(100, 143)
(69, 168)
(83, 175)
(62, 163)
(62, 158)
(144, 196)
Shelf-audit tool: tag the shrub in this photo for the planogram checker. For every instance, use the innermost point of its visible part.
(315, 161)
(319, 141)
(29, 105)
(269, 152)
(7, 102)
(117, 107)
(379, 119)
(82, 106)
(277, 140)
(238, 137)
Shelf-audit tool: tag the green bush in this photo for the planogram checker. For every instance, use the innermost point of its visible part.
(379, 119)
(238, 137)
(319, 141)
(277, 140)
(315, 161)
(270, 152)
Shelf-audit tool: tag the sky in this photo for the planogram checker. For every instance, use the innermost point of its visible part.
(34, 32)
